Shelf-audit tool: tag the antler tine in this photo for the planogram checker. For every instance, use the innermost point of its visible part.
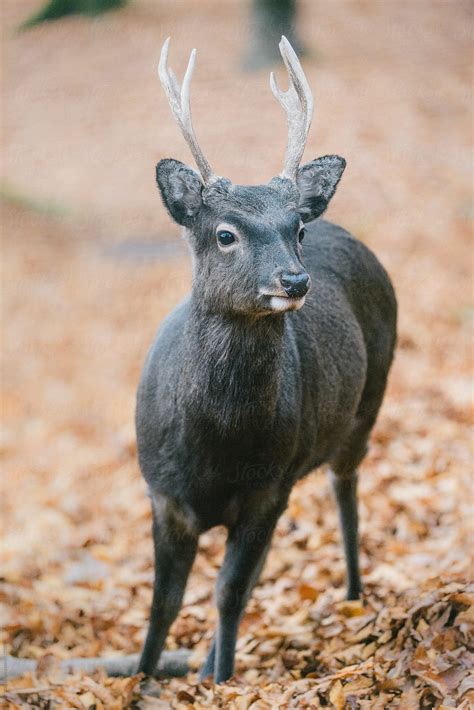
(297, 102)
(179, 100)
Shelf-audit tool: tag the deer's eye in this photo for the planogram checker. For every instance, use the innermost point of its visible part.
(225, 238)
(301, 234)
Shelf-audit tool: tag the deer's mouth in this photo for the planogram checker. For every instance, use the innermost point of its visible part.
(286, 303)
(279, 303)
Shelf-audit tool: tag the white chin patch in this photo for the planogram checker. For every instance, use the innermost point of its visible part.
(279, 303)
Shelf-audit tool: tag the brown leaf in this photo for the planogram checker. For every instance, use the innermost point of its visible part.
(185, 697)
(307, 592)
(336, 695)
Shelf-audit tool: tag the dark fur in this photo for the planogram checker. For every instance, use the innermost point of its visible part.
(236, 403)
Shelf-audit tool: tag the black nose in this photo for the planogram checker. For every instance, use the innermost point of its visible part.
(295, 285)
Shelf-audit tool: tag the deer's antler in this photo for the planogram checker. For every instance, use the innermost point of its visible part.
(298, 105)
(179, 101)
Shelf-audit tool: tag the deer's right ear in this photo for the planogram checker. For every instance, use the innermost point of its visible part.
(181, 189)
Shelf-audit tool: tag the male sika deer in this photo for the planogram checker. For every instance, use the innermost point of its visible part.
(274, 364)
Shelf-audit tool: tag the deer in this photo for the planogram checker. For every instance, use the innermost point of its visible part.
(275, 364)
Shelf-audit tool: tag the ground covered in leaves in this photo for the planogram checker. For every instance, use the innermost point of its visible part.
(92, 265)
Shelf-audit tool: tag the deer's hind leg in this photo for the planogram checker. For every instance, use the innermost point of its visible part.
(343, 475)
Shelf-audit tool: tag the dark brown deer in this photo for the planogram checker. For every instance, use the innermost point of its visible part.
(275, 364)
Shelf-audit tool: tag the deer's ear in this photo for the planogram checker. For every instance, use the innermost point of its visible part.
(180, 189)
(317, 182)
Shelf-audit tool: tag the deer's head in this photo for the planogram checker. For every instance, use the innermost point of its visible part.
(247, 240)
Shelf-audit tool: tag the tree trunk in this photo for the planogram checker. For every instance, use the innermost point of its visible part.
(270, 20)
(172, 663)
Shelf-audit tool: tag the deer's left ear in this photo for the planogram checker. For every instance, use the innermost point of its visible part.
(317, 182)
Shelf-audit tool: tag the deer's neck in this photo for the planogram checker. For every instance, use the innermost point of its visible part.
(235, 365)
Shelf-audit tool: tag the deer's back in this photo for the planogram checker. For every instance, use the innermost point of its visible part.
(350, 292)
(346, 335)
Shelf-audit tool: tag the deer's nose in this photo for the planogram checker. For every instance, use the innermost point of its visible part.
(295, 285)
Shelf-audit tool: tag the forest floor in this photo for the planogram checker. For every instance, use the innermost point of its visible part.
(91, 265)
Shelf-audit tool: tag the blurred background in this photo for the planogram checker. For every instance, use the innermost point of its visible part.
(92, 263)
